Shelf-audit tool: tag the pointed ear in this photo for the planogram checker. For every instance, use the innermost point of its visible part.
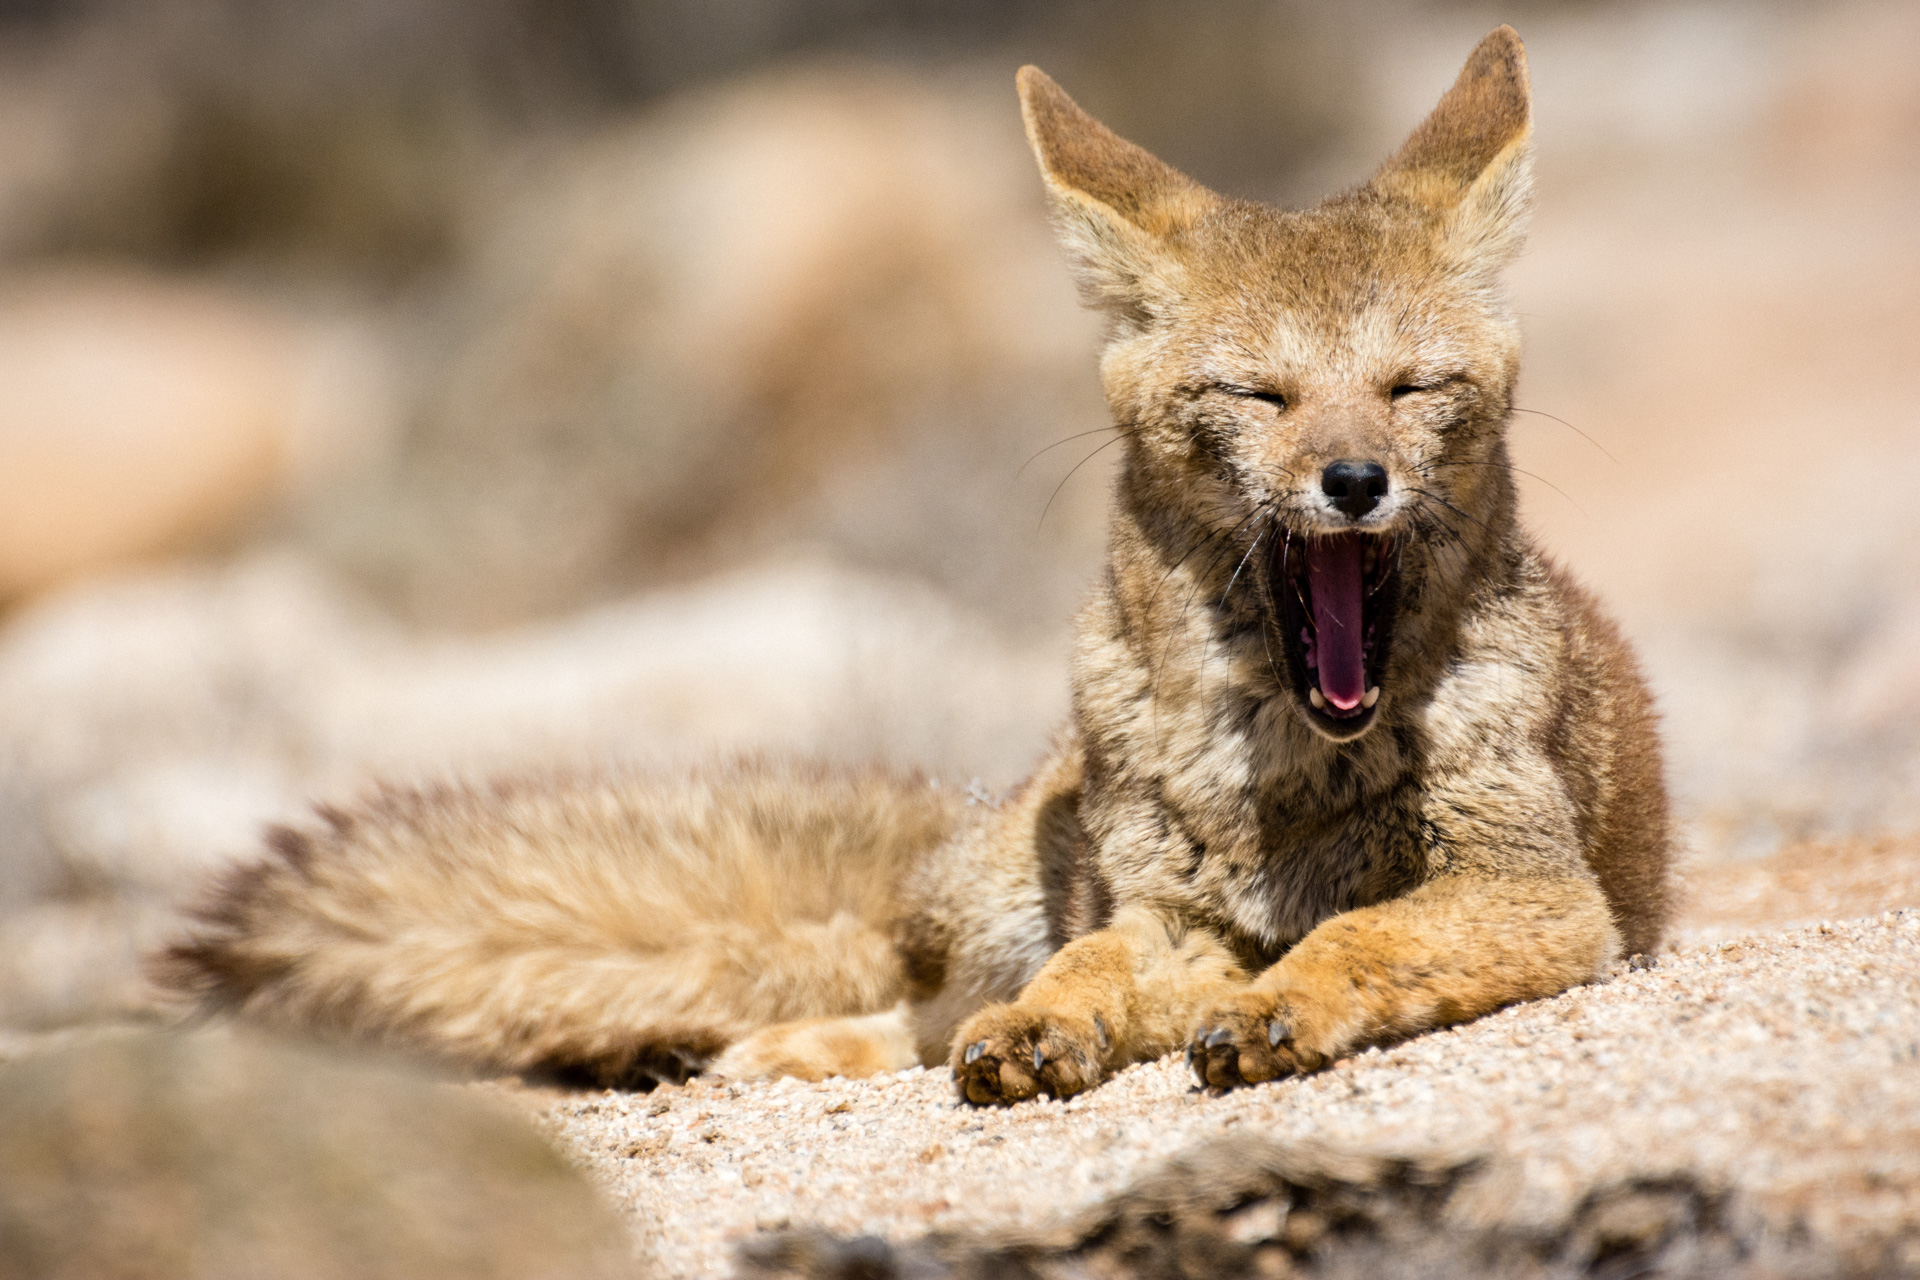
(1114, 205)
(1471, 161)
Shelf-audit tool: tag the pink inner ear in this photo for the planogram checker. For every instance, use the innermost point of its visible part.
(1334, 572)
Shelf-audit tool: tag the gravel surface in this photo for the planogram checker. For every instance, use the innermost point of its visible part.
(1782, 1067)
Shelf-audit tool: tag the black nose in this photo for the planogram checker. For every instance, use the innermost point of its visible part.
(1355, 487)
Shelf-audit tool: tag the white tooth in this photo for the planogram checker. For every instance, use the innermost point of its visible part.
(1372, 696)
(1318, 699)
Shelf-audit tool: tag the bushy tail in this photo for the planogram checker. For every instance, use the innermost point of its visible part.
(618, 929)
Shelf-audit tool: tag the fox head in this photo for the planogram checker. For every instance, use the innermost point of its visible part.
(1318, 395)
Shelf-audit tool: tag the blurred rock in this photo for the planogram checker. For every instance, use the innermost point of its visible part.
(815, 307)
(314, 141)
(145, 415)
(216, 1157)
(351, 139)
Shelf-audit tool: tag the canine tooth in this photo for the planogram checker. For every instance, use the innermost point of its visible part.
(1318, 699)
(1372, 696)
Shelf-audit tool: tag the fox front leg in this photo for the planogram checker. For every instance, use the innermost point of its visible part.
(1124, 994)
(1453, 949)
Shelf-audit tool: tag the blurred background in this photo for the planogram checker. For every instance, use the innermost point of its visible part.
(398, 388)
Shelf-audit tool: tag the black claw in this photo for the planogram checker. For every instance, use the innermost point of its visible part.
(1039, 1058)
(1276, 1032)
(1199, 1067)
(1219, 1037)
(974, 1051)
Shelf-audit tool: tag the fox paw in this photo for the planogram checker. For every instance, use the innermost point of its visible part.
(1255, 1036)
(1008, 1053)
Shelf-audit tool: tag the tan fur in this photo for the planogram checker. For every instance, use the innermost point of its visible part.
(1202, 860)
(816, 1048)
(620, 929)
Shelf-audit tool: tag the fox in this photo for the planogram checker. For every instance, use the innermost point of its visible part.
(1349, 757)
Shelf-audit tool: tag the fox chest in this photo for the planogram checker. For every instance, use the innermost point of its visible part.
(1264, 868)
(1212, 801)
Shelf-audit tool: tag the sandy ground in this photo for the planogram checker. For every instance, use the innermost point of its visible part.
(1801, 884)
(1775, 1071)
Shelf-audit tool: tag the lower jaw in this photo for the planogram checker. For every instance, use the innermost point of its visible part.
(1332, 724)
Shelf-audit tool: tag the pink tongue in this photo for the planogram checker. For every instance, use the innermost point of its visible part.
(1333, 571)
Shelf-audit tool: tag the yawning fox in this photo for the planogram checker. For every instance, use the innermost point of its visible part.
(1349, 759)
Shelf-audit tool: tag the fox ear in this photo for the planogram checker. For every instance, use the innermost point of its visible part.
(1471, 161)
(1114, 205)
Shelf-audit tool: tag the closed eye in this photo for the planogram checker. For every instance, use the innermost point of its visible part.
(1273, 398)
(1431, 384)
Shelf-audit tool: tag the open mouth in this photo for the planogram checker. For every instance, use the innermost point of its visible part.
(1337, 597)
